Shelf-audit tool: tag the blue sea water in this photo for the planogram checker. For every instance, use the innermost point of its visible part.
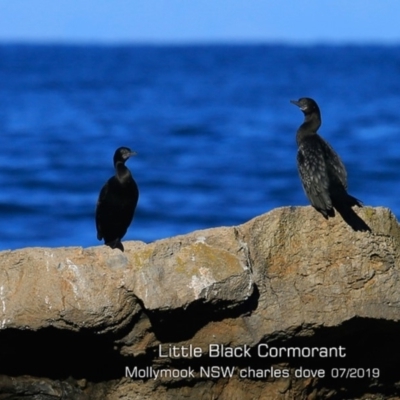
(212, 126)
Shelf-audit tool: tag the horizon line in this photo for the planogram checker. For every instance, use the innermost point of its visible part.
(200, 43)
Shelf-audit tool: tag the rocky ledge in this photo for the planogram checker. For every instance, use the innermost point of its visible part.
(285, 306)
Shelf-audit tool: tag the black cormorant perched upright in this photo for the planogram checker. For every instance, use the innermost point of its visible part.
(117, 202)
(321, 170)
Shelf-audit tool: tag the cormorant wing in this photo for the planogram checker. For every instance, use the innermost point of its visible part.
(336, 168)
(314, 173)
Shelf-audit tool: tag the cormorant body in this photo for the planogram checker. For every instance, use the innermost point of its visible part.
(322, 173)
(117, 202)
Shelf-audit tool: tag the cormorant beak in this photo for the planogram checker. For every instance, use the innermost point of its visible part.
(127, 156)
(298, 104)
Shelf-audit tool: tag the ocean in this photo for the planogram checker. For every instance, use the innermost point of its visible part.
(212, 125)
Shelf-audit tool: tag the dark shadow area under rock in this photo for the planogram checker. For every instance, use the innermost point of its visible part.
(59, 355)
(181, 324)
(372, 348)
(66, 359)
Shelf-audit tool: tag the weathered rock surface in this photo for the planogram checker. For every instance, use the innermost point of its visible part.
(75, 323)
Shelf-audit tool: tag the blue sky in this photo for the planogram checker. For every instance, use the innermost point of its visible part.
(188, 21)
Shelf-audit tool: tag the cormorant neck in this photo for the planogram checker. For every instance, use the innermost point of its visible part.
(312, 121)
(309, 127)
(122, 173)
(311, 124)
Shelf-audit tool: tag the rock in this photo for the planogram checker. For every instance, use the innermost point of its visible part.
(175, 318)
(103, 290)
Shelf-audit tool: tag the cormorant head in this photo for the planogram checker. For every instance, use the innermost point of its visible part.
(122, 154)
(307, 105)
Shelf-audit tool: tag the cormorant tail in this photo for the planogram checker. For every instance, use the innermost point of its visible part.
(348, 214)
(115, 244)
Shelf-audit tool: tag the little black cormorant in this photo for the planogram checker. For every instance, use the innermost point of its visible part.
(117, 202)
(322, 173)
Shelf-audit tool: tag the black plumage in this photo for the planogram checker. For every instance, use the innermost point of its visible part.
(322, 173)
(117, 202)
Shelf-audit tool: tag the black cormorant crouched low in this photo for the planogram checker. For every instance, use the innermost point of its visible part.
(321, 170)
(117, 202)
